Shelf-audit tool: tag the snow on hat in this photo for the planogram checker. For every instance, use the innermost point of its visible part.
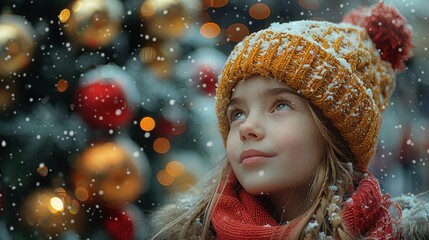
(345, 69)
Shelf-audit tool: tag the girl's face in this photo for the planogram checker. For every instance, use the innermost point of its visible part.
(273, 144)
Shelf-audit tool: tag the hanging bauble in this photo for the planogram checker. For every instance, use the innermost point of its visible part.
(106, 173)
(173, 121)
(167, 19)
(106, 97)
(16, 44)
(92, 23)
(52, 212)
(208, 65)
(207, 78)
(168, 128)
(202, 69)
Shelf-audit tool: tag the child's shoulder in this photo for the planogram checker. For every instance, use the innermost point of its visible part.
(174, 216)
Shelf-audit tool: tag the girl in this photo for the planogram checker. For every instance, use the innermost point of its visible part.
(299, 108)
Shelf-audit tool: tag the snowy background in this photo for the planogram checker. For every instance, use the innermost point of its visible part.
(107, 107)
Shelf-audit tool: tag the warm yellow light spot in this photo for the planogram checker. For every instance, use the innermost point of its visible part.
(62, 85)
(210, 30)
(147, 124)
(164, 178)
(236, 32)
(259, 11)
(175, 168)
(77, 5)
(64, 15)
(147, 54)
(57, 204)
(148, 8)
(81, 194)
(161, 145)
(215, 3)
(74, 207)
(61, 192)
(185, 182)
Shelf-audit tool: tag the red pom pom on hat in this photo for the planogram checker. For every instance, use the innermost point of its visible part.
(388, 29)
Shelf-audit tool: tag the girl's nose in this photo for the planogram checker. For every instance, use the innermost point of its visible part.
(250, 129)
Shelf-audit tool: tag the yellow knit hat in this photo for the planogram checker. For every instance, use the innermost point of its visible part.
(335, 66)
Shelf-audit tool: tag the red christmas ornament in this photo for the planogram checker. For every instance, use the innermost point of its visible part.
(207, 80)
(118, 224)
(103, 105)
(388, 29)
(168, 128)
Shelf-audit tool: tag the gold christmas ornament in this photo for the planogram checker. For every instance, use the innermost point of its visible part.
(52, 212)
(107, 173)
(16, 44)
(167, 19)
(92, 23)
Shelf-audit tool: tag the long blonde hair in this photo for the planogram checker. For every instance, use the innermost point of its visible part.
(330, 186)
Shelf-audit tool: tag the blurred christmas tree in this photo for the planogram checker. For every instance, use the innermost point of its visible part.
(107, 106)
(98, 125)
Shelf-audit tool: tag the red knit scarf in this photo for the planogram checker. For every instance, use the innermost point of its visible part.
(239, 215)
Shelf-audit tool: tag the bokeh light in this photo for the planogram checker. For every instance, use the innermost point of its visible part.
(161, 145)
(309, 4)
(259, 11)
(185, 182)
(164, 178)
(77, 5)
(147, 124)
(57, 204)
(215, 3)
(64, 15)
(147, 54)
(148, 8)
(210, 30)
(74, 207)
(62, 85)
(236, 32)
(81, 194)
(61, 192)
(175, 168)
(42, 171)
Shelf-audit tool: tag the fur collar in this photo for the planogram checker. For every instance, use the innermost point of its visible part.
(415, 215)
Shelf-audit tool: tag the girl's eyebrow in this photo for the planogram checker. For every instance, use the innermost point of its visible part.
(268, 92)
(276, 91)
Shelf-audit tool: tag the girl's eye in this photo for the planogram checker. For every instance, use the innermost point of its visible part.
(237, 116)
(282, 106)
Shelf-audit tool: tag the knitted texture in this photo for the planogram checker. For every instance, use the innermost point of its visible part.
(240, 215)
(334, 66)
(368, 211)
